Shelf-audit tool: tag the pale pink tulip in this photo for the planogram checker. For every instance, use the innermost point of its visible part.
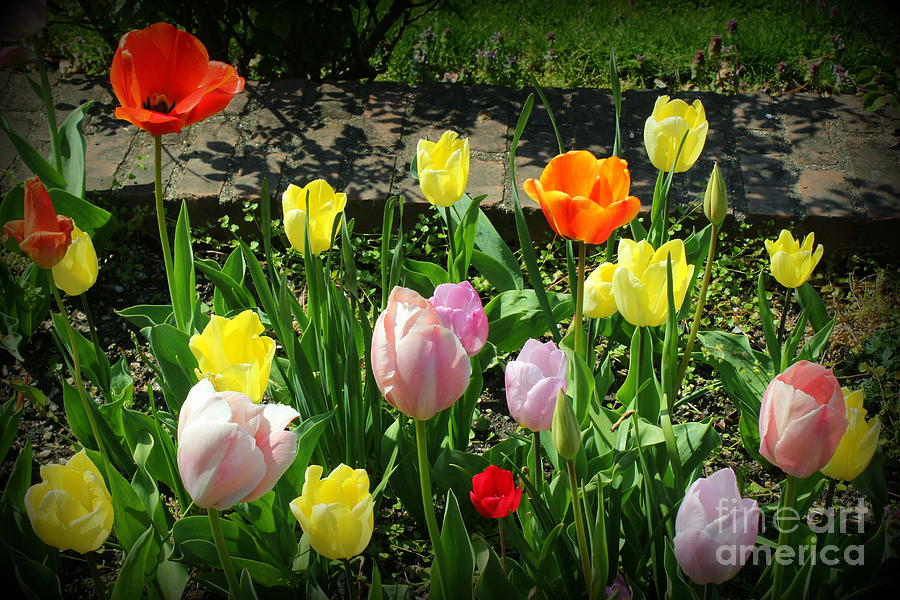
(231, 449)
(461, 311)
(801, 420)
(420, 366)
(715, 529)
(532, 383)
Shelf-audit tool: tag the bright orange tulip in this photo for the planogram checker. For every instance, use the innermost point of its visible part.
(43, 235)
(164, 80)
(584, 198)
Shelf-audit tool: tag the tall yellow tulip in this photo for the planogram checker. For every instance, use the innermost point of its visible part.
(639, 283)
(856, 448)
(443, 168)
(792, 264)
(70, 508)
(665, 128)
(77, 271)
(233, 354)
(336, 513)
(323, 206)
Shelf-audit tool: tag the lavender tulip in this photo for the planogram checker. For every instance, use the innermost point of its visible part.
(532, 383)
(461, 311)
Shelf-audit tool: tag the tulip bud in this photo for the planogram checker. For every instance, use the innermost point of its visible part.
(77, 271)
(336, 513)
(565, 430)
(801, 419)
(71, 509)
(715, 200)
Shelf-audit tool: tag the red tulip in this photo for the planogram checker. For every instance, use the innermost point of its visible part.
(43, 235)
(494, 493)
(164, 80)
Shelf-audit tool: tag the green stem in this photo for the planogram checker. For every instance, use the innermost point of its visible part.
(50, 109)
(538, 476)
(789, 500)
(784, 312)
(351, 581)
(95, 575)
(579, 302)
(94, 336)
(579, 528)
(427, 501)
(451, 247)
(672, 448)
(502, 544)
(76, 365)
(695, 325)
(161, 217)
(234, 586)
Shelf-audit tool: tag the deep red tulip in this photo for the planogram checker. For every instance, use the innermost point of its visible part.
(494, 493)
(43, 235)
(164, 80)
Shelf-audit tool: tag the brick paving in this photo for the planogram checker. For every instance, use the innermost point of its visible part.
(822, 164)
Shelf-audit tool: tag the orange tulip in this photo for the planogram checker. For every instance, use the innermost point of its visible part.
(43, 235)
(164, 80)
(584, 198)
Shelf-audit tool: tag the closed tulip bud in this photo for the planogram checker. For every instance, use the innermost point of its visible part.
(231, 449)
(639, 283)
(599, 300)
(461, 311)
(791, 263)
(77, 271)
(858, 445)
(715, 529)
(801, 420)
(232, 354)
(565, 431)
(420, 366)
(715, 200)
(321, 208)
(533, 381)
(71, 509)
(336, 513)
(494, 493)
(43, 235)
(667, 126)
(443, 168)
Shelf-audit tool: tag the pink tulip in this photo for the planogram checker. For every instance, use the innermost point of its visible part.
(802, 420)
(231, 449)
(461, 311)
(532, 383)
(715, 529)
(420, 366)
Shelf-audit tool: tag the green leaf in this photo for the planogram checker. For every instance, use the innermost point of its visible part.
(96, 371)
(492, 583)
(130, 582)
(20, 478)
(247, 589)
(146, 315)
(32, 159)
(234, 295)
(423, 276)
(88, 217)
(131, 518)
(36, 581)
(815, 308)
(515, 315)
(815, 345)
(768, 321)
(871, 482)
(185, 299)
(9, 426)
(458, 556)
(495, 272)
(176, 363)
(72, 145)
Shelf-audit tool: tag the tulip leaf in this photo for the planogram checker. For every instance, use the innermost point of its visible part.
(9, 426)
(695, 441)
(80, 424)
(130, 582)
(36, 581)
(768, 322)
(812, 302)
(423, 276)
(815, 345)
(871, 482)
(90, 360)
(146, 315)
(135, 424)
(247, 589)
(491, 583)
(458, 556)
(231, 294)
(184, 300)
(71, 150)
(32, 159)
(515, 315)
(176, 363)
(676, 586)
(20, 478)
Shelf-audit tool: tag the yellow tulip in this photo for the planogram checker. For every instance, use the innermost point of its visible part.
(77, 271)
(860, 440)
(792, 264)
(324, 206)
(336, 513)
(443, 168)
(71, 509)
(666, 127)
(232, 354)
(639, 283)
(598, 296)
